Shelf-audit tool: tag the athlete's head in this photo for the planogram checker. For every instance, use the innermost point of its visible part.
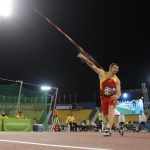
(114, 68)
(140, 112)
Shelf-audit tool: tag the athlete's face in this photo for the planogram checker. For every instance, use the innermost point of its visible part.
(114, 69)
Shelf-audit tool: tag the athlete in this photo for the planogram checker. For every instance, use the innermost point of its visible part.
(110, 90)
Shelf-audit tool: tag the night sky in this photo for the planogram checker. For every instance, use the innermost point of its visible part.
(33, 51)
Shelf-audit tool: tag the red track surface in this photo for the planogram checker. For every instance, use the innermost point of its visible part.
(73, 141)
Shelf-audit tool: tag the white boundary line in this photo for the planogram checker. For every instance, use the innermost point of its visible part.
(51, 145)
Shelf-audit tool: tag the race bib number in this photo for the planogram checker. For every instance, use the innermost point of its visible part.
(109, 91)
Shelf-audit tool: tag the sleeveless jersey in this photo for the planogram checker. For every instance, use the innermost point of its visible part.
(108, 85)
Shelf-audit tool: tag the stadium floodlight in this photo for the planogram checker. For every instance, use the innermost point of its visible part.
(125, 95)
(45, 88)
(5, 7)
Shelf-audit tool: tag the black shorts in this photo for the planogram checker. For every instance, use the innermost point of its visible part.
(143, 123)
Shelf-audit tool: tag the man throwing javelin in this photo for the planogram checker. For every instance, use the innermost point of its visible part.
(110, 90)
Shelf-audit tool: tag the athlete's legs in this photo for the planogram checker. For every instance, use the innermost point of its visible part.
(105, 121)
(111, 116)
(104, 104)
(106, 115)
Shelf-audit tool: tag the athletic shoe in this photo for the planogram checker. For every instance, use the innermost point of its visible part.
(107, 132)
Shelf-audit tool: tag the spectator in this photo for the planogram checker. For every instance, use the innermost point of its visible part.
(20, 115)
(121, 119)
(74, 125)
(70, 112)
(134, 103)
(78, 107)
(88, 124)
(2, 115)
(142, 120)
(70, 119)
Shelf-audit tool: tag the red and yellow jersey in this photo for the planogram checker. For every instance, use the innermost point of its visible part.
(108, 85)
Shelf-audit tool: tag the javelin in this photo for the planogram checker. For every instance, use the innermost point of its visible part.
(74, 43)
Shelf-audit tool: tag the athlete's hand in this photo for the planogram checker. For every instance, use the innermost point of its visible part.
(81, 56)
(115, 97)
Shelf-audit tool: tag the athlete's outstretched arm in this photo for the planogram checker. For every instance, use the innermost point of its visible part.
(99, 71)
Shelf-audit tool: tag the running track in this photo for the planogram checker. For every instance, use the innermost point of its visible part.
(73, 141)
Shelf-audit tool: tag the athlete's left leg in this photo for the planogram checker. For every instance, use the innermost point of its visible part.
(111, 116)
(110, 120)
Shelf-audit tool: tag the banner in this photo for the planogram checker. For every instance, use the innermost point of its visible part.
(25, 106)
(0, 124)
(11, 124)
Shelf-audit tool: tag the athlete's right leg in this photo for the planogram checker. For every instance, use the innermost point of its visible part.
(112, 105)
(111, 116)
(104, 104)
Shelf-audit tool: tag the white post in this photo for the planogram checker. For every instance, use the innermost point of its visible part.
(18, 104)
